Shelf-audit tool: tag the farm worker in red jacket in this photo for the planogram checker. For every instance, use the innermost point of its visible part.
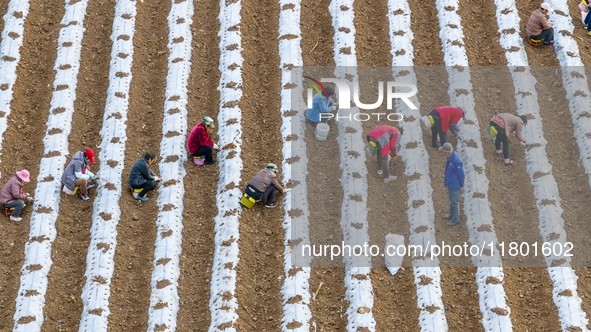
(200, 144)
(505, 124)
(385, 139)
(445, 118)
(13, 194)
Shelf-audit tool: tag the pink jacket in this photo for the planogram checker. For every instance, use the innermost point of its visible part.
(12, 191)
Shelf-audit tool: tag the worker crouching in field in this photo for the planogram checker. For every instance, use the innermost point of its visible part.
(454, 181)
(78, 175)
(13, 195)
(538, 27)
(199, 143)
(263, 185)
(505, 124)
(383, 140)
(322, 107)
(442, 119)
(142, 177)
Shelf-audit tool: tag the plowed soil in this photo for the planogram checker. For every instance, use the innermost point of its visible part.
(260, 271)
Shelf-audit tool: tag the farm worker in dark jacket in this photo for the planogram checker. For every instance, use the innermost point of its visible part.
(322, 106)
(141, 176)
(538, 26)
(445, 118)
(505, 124)
(454, 181)
(263, 185)
(200, 144)
(77, 174)
(12, 194)
(386, 139)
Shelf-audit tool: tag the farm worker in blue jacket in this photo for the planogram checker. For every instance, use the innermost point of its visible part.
(454, 181)
(141, 176)
(322, 107)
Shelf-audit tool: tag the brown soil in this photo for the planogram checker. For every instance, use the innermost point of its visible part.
(395, 308)
(261, 243)
(563, 153)
(66, 279)
(324, 192)
(136, 231)
(261, 232)
(26, 129)
(542, 56)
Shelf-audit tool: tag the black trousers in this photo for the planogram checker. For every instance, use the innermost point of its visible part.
(205, 151)
(147, 186)
(501, 139)
(383, 162)
(436, 130)
(268, 195)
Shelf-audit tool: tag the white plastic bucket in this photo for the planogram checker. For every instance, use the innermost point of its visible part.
(321, 131)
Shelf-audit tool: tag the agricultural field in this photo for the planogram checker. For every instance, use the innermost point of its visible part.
(125, 77)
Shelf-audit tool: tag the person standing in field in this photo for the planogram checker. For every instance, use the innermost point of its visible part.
(454, 181)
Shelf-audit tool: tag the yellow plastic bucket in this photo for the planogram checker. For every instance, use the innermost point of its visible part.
(247, 201)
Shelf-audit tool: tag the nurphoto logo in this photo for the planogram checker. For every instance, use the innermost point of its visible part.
(344, 96)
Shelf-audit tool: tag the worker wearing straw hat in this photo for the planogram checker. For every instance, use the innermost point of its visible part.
(13, 195)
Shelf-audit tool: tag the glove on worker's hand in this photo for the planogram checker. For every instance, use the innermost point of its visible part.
(216, 147)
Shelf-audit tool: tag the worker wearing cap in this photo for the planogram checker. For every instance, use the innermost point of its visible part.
(13, 195)
(142, 177)
(454, 181)
(506, 124)
(263, 186)
(445, 118)
(538, 26)
(385, 139)
(322, 107)
(77, 173)
(199, 142)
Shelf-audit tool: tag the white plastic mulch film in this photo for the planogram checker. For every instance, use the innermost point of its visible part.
(106, 211)
(492, 296)
(12, 40)
(296, 286)
(359, 289)
(33, 283)
(417, 162)
(223, 303)
(164, 300)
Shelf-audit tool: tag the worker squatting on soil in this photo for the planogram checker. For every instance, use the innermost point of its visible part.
(384, 139)
(454, 181)
(142, 177)
(538, 26)
(505, 124)
(263, 185)
(440, 120)
(322, 107)
(200, 144)
(78, 175)
(13, 195)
